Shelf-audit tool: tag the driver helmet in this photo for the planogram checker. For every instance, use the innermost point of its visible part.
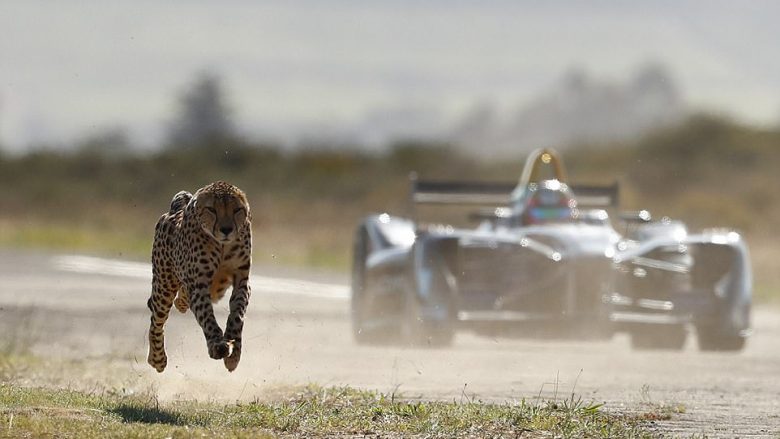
(549, 201)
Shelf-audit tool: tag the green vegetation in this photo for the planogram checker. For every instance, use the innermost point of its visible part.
(34, 403)
(708, 171)
(312, 411)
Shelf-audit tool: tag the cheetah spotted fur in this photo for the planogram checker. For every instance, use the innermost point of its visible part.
(202, 246)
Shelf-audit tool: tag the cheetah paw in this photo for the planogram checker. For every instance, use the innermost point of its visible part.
(231, 361)
(158, 363)
(219, 350)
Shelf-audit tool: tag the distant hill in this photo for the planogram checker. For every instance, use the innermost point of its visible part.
(578, 110)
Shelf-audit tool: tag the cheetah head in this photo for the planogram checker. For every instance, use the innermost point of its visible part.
(223, 211)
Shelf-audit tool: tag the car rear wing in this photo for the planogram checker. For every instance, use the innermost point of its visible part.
(591, 196)
(460, 192)
(499, 193)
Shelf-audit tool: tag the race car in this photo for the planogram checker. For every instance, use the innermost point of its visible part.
(545, 260)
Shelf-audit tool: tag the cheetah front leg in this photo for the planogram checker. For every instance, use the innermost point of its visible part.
(200, 304)
(239, 300)
(160, 305)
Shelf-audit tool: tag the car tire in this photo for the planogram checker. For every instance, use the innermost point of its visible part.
(419, 332)
(659, 337)
(711, 339)
(362, 331)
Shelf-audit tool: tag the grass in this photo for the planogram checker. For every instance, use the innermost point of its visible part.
(287, 245)
(311, 411)
(34, 404)
(74, 237)
(657, 411)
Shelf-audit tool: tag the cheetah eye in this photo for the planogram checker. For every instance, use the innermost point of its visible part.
(238, 209)
(211, 209)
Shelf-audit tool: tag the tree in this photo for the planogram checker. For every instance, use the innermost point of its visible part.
(204, 118)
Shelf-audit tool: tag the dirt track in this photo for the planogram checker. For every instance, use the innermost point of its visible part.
(297, 332)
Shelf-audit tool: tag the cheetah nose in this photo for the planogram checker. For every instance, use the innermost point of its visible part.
(225, 230)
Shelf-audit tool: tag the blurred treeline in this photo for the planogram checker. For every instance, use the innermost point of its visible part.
(708, 171)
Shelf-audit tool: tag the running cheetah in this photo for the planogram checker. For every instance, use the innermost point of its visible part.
(201, 247)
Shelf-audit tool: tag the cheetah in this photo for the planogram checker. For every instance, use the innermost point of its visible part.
(202, 246)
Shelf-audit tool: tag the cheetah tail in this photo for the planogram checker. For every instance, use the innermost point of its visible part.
(180, 200)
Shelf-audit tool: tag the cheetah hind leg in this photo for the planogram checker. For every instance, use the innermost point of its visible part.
(182, 301)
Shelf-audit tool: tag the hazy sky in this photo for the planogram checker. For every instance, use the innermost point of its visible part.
(68, 68)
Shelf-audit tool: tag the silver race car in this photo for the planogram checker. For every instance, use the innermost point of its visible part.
(545, 260)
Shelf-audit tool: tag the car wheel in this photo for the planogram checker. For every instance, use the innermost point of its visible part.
(659, 337)
(419, 332)
(710, 339)
(362, 332)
